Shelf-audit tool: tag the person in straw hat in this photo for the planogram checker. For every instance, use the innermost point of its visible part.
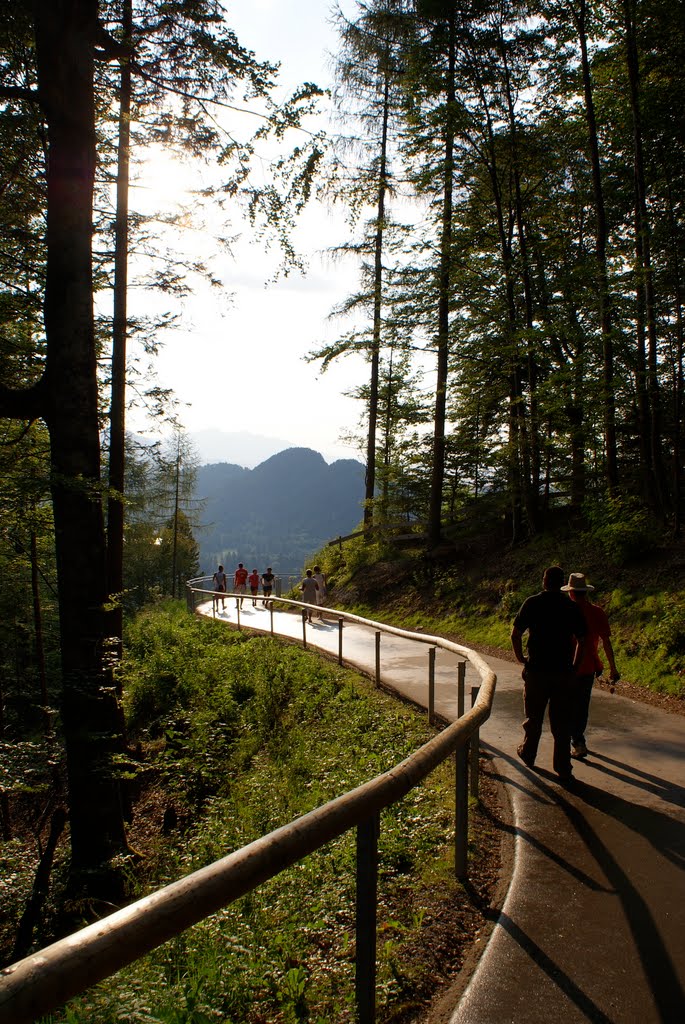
(591, 665)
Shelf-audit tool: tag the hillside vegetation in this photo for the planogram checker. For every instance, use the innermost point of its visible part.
(238, 735)
(472, 588)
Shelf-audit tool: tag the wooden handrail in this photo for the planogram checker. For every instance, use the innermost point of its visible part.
(391, 528)
(46, 979)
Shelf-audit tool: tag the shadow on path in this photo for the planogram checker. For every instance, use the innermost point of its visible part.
(555, 973)
(664, 789)
(663, 979)
(666, 834)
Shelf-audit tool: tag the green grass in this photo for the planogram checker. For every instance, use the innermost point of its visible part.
(245, 735)
(648, 634)
(638, 573)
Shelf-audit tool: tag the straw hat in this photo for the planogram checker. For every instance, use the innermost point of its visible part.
(578, 583)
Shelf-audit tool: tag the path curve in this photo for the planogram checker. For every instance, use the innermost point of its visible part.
(593, 923)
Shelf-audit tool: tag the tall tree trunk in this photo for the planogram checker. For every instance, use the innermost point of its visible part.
(5, 811)
(117, 416)
(531, 484)
(678, 385)
(377, 311)
(678, 428)
(644, 257)
(605, 305)
(38, 632)
(644, 418)
(518, 451)
(174, 544)
(444, 283)
(576, 416)
(677, 471)
(65, 42)
(387, 440)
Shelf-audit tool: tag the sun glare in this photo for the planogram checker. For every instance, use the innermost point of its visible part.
(164, 183)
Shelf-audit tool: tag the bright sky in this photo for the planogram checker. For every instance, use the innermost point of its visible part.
(236, 363)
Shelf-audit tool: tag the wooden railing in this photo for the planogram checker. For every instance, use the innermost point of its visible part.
(45, 980)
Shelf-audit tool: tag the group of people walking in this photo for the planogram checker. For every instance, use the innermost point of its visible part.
(562, 659)
(560, 662)
(241, 580)
(313, 586)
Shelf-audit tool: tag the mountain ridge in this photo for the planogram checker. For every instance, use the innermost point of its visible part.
(278, 513)
(243, 448)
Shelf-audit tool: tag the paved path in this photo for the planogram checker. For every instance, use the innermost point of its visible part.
(593, 924)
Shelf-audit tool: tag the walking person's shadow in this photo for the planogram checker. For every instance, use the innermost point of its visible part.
(664, 832)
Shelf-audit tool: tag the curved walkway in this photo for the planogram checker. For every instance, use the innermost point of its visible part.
(593, 923)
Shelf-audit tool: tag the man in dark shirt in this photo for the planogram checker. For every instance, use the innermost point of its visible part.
(556, 631)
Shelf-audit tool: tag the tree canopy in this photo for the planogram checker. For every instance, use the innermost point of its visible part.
(537, 146)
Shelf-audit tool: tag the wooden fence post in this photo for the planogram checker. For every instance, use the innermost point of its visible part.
(474, 747)
(367, 900)
(461, 676)
(461, 823)
(431, 685)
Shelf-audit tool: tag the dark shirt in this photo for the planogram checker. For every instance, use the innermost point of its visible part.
(554, 623)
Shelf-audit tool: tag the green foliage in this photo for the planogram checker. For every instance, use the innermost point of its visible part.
(538, 232)
(17, 870)
(621, 526)
(252, 734)
(649, 628)
(669, 628)
(160, 550)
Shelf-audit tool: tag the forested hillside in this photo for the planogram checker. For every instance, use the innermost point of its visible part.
(278, 513)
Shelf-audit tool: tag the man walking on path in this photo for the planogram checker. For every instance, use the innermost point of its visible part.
(253, 580)
(321, 592)
(267, 582)
(598, 629)
(219, 580)
(240, 582)
(310, 588)
(556, 640)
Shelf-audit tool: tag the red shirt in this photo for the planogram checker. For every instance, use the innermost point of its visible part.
(597, 629)
(240, 577)
(254, 580)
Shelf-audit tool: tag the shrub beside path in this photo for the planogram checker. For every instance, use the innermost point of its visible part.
(592, 927)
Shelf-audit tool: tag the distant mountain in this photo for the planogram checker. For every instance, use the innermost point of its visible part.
(242, 448)
(278, 513)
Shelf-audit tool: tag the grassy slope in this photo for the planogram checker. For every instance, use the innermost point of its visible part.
(241, 734)
(473, 590)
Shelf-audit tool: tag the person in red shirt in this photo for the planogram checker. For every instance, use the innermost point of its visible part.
(591, 665)
(253, 580)
(240, 581)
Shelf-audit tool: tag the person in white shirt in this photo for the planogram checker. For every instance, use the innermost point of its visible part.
(321, 592)
(310, 590)
(219, 580)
